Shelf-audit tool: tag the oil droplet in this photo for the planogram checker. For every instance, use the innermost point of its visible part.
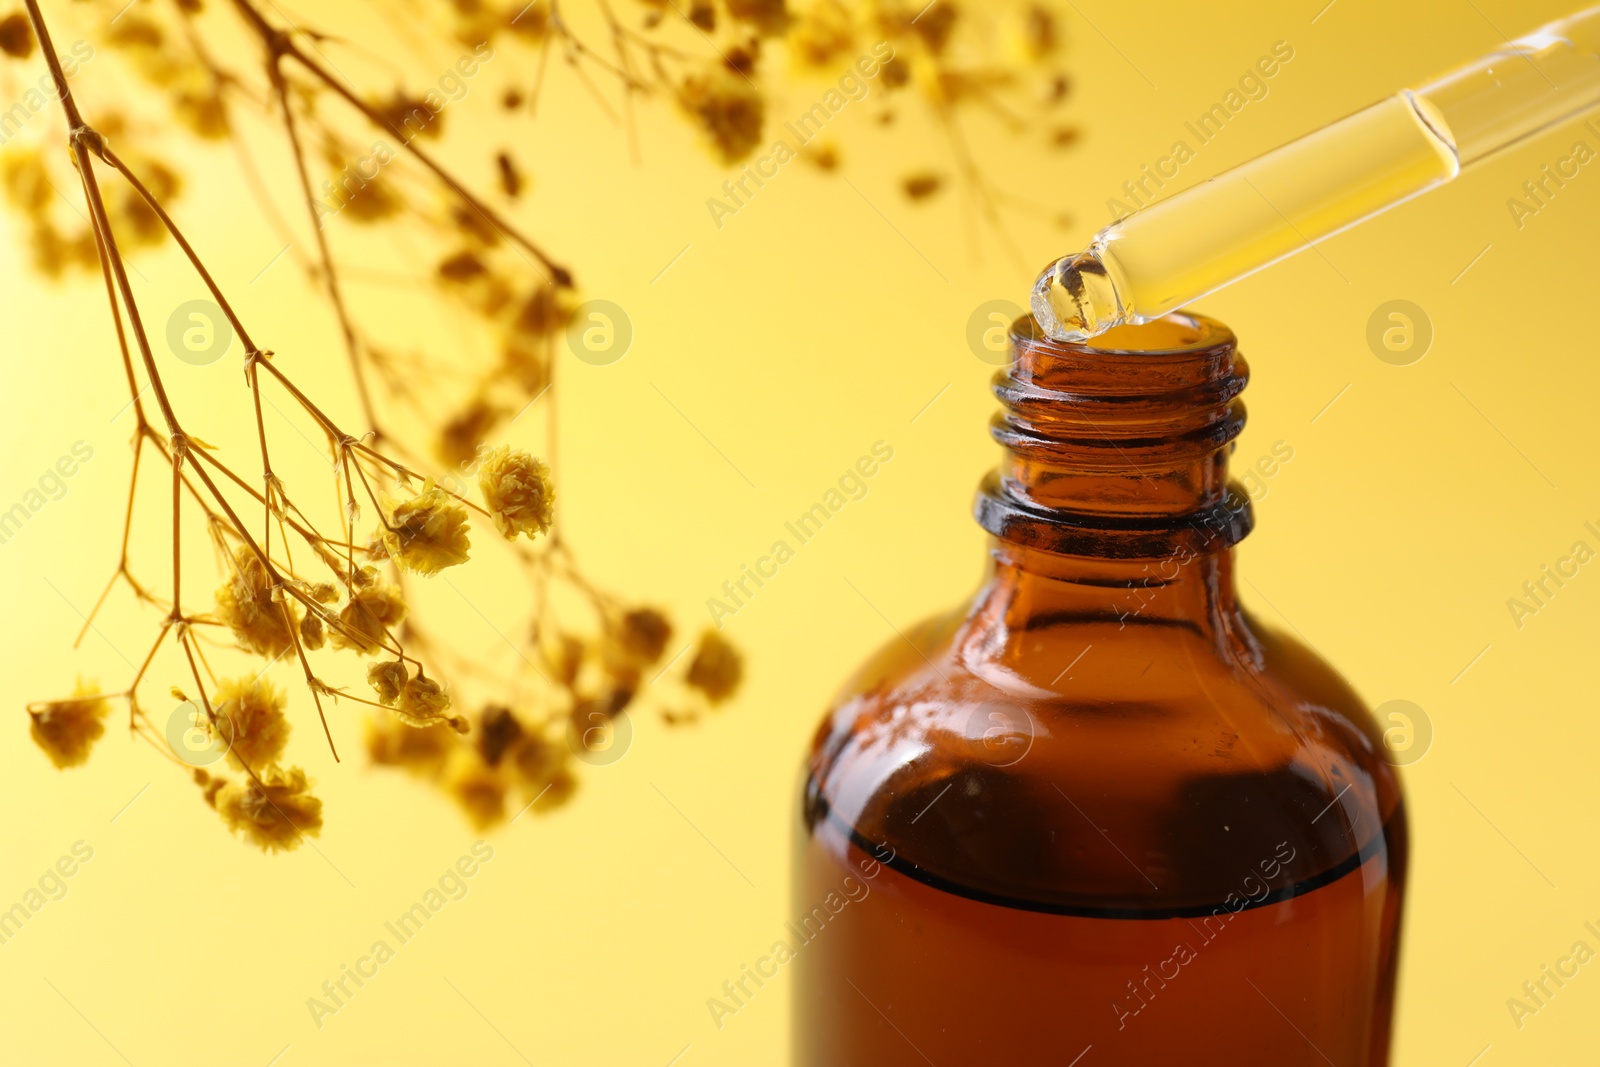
(1074, 299)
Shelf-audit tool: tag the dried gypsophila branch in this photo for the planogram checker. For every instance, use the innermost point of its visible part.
(176, 445)
(274, 806)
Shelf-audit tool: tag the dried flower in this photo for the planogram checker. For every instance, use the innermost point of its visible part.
(477, 21)
(728, 109)
(424, 702)
(371, 200)
(543, 770)
(511, 180)
(391, 743)
(460, 438)
(143, 43)
(770, 17)
(388, 677)
(27, 180)
(567, 658)
(16, 36)
(462, 267)
(532, 21)
(517, 491)
(525, 355)
(246, 602)
(717, 667)
(643, 634)
(203, 111)
(500, 730)
(895, 74)
(478, 789)
(68, 729)
(312, 633)
(209, 786)
(250, 721)
(274, 812)
(822, 34)
(135, 214)
(545, 311)
(921, 185)
(474, 225)
(742, 59)
(1065, 136)
(426, 533)
(932, 23)
(410, 116)
(825, 157)
(1041, 36)
(590, 723)
(364, 622)
(53, 252)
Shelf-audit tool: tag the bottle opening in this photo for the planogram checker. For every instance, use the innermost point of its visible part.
(1118, 446)
(1169, 335)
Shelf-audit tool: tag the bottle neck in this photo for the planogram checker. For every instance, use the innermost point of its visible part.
(1032, 588)
(1111, 502)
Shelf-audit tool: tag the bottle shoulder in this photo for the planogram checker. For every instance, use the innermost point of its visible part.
(1105, 763)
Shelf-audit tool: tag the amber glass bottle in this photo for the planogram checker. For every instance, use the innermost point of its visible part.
(1100, 815)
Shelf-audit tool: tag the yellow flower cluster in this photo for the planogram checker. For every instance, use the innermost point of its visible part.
(424, 702)
(728, 108)
(426, 533)
(479, 789)
(388, 677)
(275, 812)
(365, 621)
(532, 764)
(250, 721)
(770, 17)
(391, 743)
(717, 667)
(643, 634)
(68, 729)
(419, 702)
(313, 633)
(251, 607)
(824, 34)
(517, 491)
(506, 757)
(16, 36)
(272, 806)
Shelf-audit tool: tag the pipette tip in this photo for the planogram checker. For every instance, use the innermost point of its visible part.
(1074, 300)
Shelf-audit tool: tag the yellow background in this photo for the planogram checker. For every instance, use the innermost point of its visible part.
(818, 320)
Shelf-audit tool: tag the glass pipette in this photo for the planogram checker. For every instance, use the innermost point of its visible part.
(1176, 250)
